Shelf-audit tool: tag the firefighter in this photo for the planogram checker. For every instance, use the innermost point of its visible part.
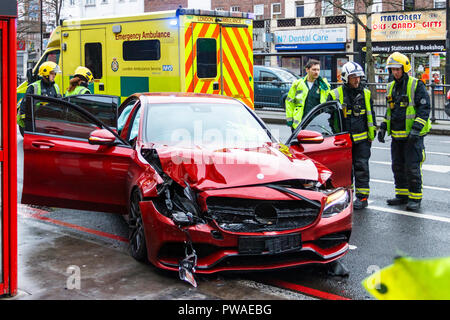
(46, 86)
(80, 82)
(407, 121)
(305, 93)
(360, 122)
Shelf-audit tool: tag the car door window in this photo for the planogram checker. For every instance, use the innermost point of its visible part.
(325, 120)
(267, 76)
(57, 117)
(103, 108)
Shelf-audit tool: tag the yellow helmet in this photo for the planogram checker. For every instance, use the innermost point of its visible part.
(85, 72)
(398, 60)
(47, 67)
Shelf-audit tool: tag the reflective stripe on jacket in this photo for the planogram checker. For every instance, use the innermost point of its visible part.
(38, 89)
(410, 112)
(77, 90)
(338, 94)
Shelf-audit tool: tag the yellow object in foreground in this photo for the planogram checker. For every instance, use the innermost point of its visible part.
(411, 279)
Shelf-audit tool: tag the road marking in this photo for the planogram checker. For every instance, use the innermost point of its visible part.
(426, 152)
(411, 214)
(305, 290)
(427, 167)
(425, 187)
(38, 214)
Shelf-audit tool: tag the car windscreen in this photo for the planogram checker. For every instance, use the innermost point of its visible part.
(221, 125)
(285, 76)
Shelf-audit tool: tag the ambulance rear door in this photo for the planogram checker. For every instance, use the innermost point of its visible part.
(71, 58)
(219, 57)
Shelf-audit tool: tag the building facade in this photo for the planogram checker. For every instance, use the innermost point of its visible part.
(77, 9)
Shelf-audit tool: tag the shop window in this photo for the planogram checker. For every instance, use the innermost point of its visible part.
(327, 8)
(276, 8)
(348, 5)
(300, 9)
(408, 5)
(93, 59)
(377, 6)
(206, 58)
(439, 4)
(144, 50)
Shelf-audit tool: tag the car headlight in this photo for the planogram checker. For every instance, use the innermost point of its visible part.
(336, 202)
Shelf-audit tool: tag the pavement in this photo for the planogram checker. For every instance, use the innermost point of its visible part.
(440, 127)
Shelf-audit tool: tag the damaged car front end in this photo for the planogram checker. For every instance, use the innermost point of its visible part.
(199, 220)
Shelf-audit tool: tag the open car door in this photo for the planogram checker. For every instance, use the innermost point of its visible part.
(61, 167)
(335, 152)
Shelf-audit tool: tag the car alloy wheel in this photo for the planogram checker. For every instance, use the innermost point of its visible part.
(138, 248)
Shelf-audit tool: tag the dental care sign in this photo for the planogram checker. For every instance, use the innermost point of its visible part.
(311, 36)
(406, 26)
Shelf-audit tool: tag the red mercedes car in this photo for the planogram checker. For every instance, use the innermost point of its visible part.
(202, 182)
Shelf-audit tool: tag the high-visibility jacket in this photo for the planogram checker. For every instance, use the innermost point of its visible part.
(37, 89)
(77, 90)
(410, 111)
(296, 98)
(338, 94)
(37, 86)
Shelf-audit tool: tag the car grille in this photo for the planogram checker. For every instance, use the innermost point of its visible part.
(250, 215)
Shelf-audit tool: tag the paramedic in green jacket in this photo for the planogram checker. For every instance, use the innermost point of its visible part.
(305, 94)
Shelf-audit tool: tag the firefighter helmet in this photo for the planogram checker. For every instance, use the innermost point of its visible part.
(85, 73)
(47, 67)
(398, 60)
(351, 69)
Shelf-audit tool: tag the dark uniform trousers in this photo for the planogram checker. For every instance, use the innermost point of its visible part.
(360, 170)
(407, 158)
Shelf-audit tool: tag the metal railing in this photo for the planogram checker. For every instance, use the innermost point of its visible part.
(266, 99)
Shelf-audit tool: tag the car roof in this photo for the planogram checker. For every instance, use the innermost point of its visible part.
(274, 69)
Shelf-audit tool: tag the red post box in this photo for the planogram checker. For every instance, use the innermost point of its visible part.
(8, 149)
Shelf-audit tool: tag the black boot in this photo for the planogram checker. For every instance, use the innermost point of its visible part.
(413, 205)
(397, 201)
(360, 204)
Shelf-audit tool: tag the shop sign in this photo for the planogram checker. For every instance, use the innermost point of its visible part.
(311, 36)
(408, 46)
(406, 26)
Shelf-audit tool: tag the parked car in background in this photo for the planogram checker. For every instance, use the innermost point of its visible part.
(272, 85)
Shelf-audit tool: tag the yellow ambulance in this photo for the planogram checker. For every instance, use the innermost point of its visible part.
(184, 50)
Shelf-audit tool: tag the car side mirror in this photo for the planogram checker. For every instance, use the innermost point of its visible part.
(102, 137)
(307, 136)
(30, 77)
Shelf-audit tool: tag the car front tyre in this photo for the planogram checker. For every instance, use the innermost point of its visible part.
(138, 247)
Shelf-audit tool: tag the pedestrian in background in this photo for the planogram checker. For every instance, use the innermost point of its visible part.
(305, 93)
(407, 121)
(80, 82)
(360, 122)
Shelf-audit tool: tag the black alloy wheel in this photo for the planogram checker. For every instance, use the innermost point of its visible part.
(138, 247)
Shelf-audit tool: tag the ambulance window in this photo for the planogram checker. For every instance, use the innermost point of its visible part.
(206, 58)
(143, 50)
(93, 59)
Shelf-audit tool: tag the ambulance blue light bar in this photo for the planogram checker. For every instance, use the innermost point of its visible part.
(215, 13)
